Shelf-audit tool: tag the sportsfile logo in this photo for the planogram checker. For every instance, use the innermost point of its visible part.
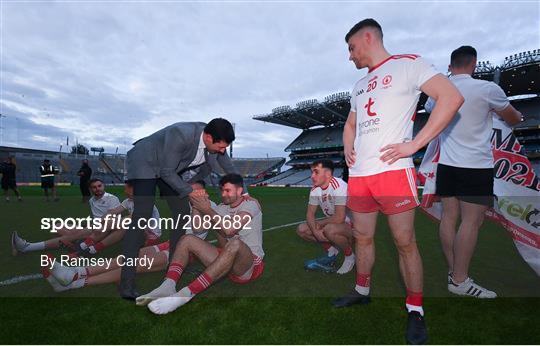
(529, 214)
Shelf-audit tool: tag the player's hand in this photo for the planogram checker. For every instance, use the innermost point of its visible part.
(200, 202)
(394, 152)
(350, 157)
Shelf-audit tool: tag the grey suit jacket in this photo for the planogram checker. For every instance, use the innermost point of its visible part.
(170, 150)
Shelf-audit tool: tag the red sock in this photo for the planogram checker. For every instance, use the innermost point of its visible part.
(347, 251)
(363, 280)
(175, 271)
(200, 284)
(326, 246)
(414, 298)
(99, 246)
(89, 241)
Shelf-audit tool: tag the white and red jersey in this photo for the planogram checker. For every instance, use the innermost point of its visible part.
(385, 103)
(334, 194)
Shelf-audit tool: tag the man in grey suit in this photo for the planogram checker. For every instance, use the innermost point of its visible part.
(161, 160)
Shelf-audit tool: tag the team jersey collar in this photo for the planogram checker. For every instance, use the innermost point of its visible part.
(373, 68)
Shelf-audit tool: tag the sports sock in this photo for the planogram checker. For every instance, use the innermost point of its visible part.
(86, 243)
(38, 246)
(347, 251)
(330, 250)
(200, 284)
(175, 271)
(362, 283)
(96, 247)
(413, 302)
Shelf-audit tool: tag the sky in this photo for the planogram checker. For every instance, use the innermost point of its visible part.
(108, 73)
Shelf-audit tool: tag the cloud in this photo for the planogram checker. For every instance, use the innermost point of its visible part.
(110, 73)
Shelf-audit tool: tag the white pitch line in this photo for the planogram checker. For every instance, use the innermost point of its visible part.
(17, 279)
(21, 278)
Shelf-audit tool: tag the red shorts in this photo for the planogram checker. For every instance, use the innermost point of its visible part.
(390, 192)
(258, 268)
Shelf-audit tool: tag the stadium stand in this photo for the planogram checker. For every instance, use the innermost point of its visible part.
(322, 122)
(110, 167)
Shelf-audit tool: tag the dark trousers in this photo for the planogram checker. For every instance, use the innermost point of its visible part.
(144, 195)
(85, 189)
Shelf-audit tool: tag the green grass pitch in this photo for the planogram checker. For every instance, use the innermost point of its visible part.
(287, 305)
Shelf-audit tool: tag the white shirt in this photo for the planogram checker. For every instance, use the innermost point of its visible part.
(199, 157)
(130, 206)
(385, 103)
(99, 207)
(466, 142)
(334, 194)
(251, 235)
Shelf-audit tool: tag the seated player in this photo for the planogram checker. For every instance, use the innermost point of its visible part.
(63, 278)
(90, 247)
(334, 231)
(240, 258)
(101, 204)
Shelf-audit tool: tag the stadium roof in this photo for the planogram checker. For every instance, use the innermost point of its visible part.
(518, 75)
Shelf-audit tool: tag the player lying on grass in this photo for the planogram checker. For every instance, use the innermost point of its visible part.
(334, 232)
(63, 278)
(240, 257)
(101, 204)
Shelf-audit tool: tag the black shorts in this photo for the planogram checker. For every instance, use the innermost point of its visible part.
(47, 183)
(473, 185)
(9, 184)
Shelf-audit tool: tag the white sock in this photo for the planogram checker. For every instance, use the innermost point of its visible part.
(332, 251)
(38, 246)
(362, 290)
(415, 308)
(185, 292)
(81, 272)
(348, 264)
(77, 283)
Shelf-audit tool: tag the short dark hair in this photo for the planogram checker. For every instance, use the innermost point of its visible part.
(129, 182)
(91, 181)
(46, 160)
(232, 178)
(325, 163)
(366, 23)
(221, 130)
(201, 182)
(462, 56)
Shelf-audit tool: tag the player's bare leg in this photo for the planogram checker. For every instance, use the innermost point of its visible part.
(447, 229)
(340, 235)
(410, 263)
(236, 258)
(364, 232)
(188, 245)
(20, 245)
(305, 233)
(472, 217)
